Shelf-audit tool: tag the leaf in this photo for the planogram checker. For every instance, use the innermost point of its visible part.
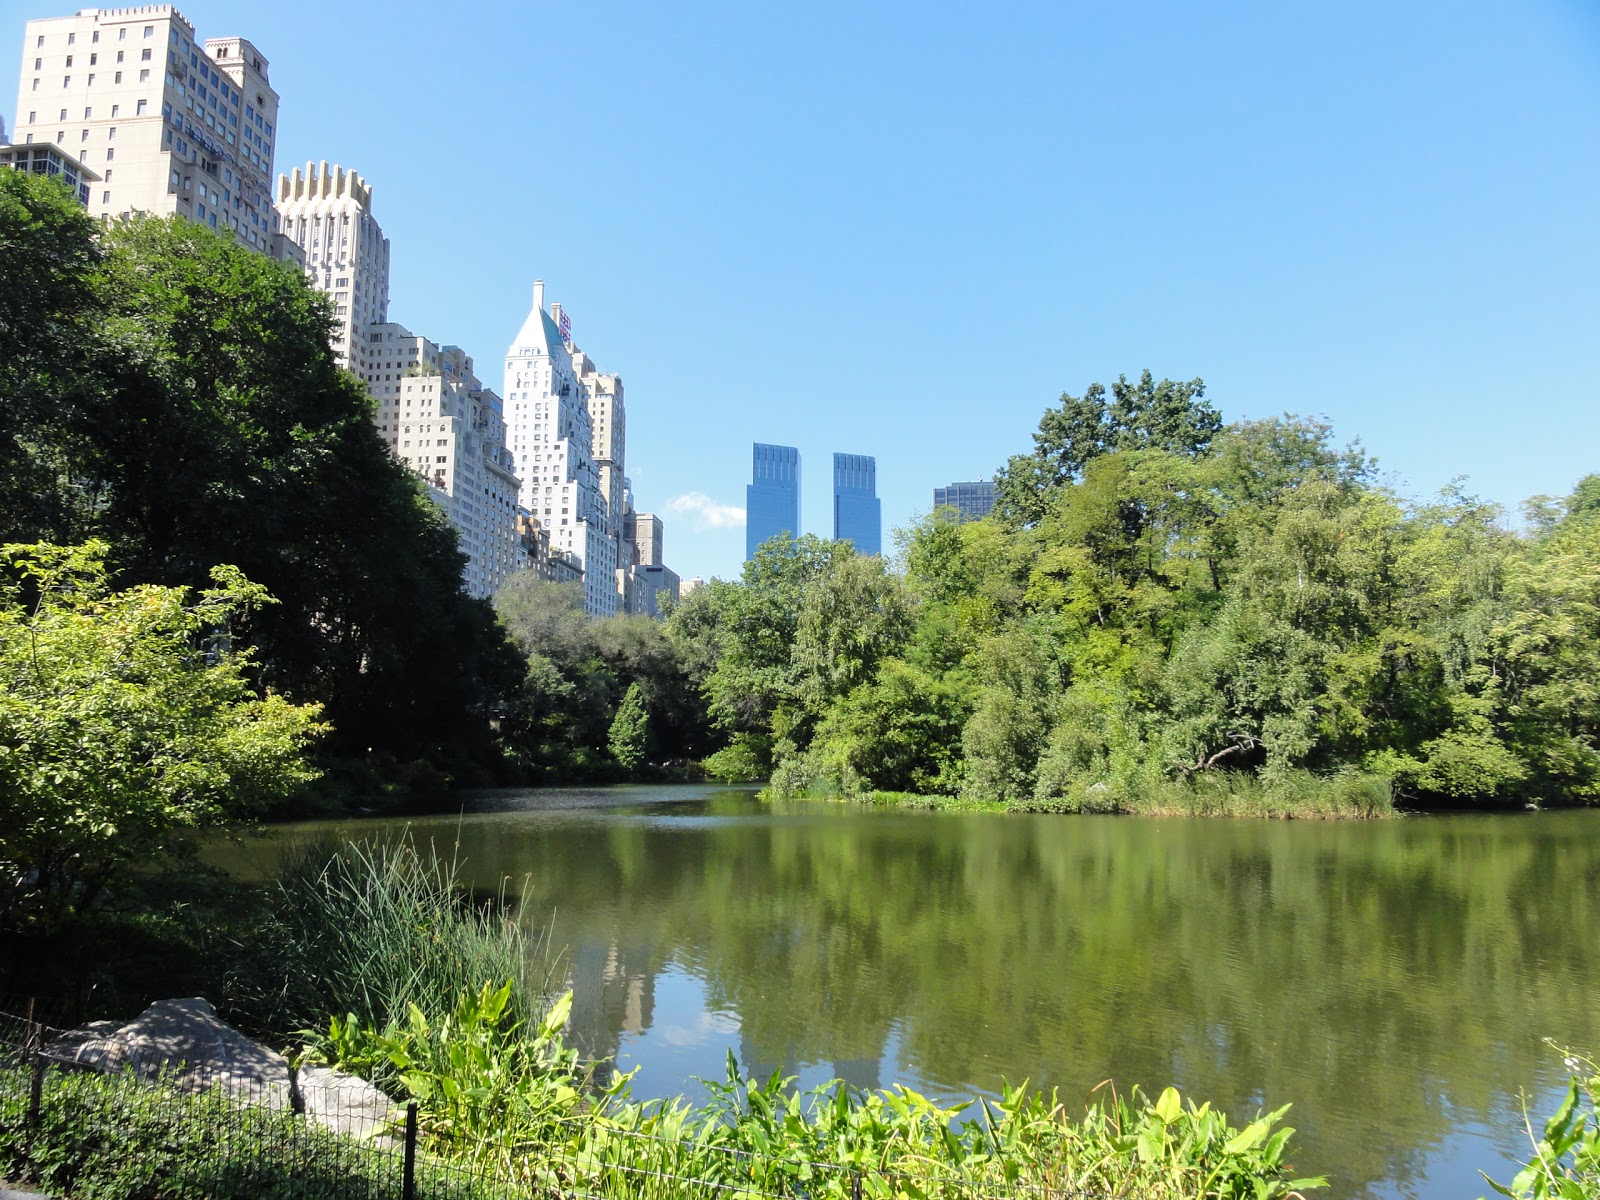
(1169, 1107)
(1247, 1139)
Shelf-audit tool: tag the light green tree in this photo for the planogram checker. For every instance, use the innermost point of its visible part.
(630, 730)
(127, 718)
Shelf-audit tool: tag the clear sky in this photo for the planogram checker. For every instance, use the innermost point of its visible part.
(904, 229)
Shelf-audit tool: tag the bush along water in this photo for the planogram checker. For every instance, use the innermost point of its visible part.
(513, 1101)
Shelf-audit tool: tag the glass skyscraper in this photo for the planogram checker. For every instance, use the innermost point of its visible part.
(772, 499)
(857, 511)
(973, 500)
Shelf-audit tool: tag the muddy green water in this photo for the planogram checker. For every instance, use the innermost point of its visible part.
(1393, 980)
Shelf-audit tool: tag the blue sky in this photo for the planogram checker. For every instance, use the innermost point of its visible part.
(904, 229)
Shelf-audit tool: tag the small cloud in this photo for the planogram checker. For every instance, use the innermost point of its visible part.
(707, 513)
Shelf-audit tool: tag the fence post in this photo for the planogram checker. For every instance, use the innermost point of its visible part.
(36, 1093)
(408, 1180)
(855, 1185)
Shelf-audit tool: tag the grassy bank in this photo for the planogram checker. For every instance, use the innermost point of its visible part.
(1293, 795)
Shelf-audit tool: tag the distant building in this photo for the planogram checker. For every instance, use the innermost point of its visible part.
(772, 499)
(327, 212)
(553, 406)
(972, 500)
(173, 124)
(658, 580)
(47, 158)
(857, 511)
(441, 422)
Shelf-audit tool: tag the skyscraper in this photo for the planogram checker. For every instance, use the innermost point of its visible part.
(772, 498)
(328, 212)
(972, 500)
(857, 511)
(551, 422)
(171, 124)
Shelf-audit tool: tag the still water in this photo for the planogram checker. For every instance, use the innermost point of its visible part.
(1393, 980)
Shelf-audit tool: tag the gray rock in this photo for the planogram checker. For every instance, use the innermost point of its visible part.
(345, 1103)
(187, 1044)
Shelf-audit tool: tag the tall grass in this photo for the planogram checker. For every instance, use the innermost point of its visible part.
(1288, 794)
(373, 927)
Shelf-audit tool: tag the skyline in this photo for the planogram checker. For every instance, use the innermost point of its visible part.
(910, 232)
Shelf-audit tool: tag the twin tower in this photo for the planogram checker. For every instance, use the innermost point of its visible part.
(772, 500)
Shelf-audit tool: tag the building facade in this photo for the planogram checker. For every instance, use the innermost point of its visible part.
(171, 124)
(857, 511)
(972, 500)
(327, 212)
(551, 438)
(442, 423)
(772, 498)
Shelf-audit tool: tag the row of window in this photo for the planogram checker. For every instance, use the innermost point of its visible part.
(94, 59)
(122, 36)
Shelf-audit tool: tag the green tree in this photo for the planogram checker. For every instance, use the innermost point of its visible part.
(126, 719)
(630, 731)
(1146, 415)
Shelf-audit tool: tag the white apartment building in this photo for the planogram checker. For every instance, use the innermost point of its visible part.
(327, 211)
(552, 440)
(171, 124)
(447, 427)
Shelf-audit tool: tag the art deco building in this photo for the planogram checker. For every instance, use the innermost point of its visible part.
(327, 211)
(566, 486)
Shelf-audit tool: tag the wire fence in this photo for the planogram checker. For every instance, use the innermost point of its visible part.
(77, 1118)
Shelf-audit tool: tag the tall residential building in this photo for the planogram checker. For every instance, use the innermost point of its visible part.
(552, 440)
(972, 500)
(772, 498)
(857, 511)
(327, 212)
(450, 429)
(171, 124)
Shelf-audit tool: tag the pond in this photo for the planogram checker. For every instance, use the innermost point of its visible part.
(1394, 980)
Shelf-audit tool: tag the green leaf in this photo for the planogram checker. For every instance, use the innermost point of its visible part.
(1170, 1106)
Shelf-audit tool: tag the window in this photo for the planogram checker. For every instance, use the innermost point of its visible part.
(32, 118)
(66, 81)
(83, 136)
(111, 133)
(38, 64)
(144, 55)
(138, 109)
(93, 58)
(88, 114)
(110, 154)
(69, 60)
(122, 34)
(63, 114)
(71, 38)
(119, 55)
(144, 75)
(105, 197)
(149, 31)
(117, 78)
(36, 84)
(40, 42)
(91, 78)
(108, 176)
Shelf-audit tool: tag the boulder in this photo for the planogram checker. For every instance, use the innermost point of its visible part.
(187, 1044)
(344, 1103)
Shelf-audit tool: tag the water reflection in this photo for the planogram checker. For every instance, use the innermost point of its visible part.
(1393, 980)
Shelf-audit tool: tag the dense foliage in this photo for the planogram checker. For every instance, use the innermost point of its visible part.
(174, 395)
(1165, 612)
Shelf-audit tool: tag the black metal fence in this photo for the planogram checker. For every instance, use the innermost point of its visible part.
(74, 1130)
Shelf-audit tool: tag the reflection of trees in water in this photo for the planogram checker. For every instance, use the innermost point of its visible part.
(1387, 979)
